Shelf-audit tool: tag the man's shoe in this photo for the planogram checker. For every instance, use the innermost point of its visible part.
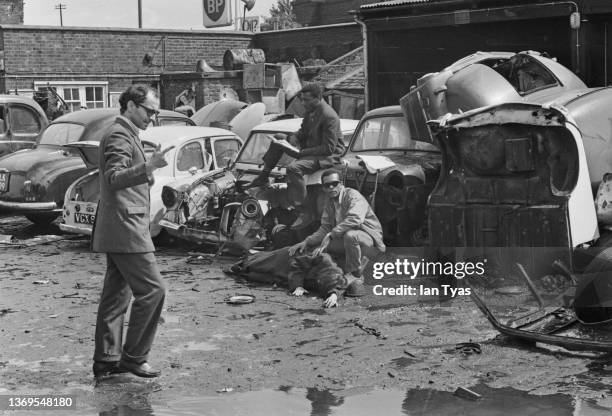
(260, 180)
(140, 370)
(106, 368)
(355, 289)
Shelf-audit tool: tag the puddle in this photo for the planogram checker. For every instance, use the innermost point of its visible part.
(359, 402)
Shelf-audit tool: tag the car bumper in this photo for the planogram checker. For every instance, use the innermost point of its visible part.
(75, 229)
(29, 207)
(191, 234)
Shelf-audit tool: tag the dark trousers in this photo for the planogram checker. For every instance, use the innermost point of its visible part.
(127, 274)
(354, 244)
(296, 185)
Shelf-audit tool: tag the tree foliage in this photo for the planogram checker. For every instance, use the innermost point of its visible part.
(281, 16)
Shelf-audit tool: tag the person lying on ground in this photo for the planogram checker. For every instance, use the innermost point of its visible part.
(303, 273)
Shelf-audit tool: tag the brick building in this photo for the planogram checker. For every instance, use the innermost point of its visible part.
(91, 66)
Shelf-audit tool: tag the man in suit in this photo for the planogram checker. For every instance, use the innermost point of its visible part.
(121, 230)
(348, 226)
(319, 140)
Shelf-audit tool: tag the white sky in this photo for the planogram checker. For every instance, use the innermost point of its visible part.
(156, 14)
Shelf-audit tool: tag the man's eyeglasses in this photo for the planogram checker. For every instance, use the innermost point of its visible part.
(150, 111)
(331, 185)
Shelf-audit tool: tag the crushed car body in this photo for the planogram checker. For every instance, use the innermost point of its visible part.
(516, 190)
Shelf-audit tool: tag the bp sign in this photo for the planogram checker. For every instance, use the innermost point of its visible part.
(216, 13)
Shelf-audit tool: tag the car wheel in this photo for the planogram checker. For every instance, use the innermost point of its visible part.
(43, 218)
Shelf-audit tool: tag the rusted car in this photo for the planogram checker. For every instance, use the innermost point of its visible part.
(189, 151)
(21, 122)
(33, 181)
(213, 208)
(517, 189)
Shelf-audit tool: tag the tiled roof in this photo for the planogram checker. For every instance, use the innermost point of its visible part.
(343, 71)
(391, 3)
(354, 80)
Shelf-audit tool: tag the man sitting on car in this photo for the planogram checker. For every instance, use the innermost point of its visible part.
(320, 146)
(348, 226)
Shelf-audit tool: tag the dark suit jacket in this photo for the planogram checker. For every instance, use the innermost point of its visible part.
(320, 137)
(122, 219)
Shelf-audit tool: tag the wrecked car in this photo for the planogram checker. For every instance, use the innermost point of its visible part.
(214, 209)
(189, 151)
(33, 181)
(517, 189)
(483, 79)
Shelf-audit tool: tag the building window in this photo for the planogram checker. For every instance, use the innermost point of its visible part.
(79, 95)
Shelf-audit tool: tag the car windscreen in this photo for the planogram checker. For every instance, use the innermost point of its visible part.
(255, 148)
(390, 132)
(61, 133)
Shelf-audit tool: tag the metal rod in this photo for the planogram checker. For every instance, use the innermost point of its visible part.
(530, 284)
(140, 14)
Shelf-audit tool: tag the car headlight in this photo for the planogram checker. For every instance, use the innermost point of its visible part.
(170, 197)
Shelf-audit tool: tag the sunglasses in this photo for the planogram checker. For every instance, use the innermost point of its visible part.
(331, 185)
(150, 112)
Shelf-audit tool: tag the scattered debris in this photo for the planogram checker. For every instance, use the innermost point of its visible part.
(371, 331)
(200, 258)
(240, 299)
(467, 394)
(225, 390)
(43, 239)
(41, 282)
(468, 348)
(6, 311)
(409, 354)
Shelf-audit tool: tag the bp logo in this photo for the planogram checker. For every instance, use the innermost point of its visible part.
(214, 9)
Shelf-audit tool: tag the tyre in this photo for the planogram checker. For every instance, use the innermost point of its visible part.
(43, 219)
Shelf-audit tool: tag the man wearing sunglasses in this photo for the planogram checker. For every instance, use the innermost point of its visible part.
(319, 140)
(121, 230)
(348, 226)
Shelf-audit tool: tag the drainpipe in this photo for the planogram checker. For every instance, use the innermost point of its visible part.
(364, 35)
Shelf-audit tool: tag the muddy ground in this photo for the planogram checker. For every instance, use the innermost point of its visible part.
(277, 355)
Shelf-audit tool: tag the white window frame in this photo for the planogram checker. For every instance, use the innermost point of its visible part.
(81, 85)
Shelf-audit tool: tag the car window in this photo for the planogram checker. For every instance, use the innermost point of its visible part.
(24, 120)
(255, 148)
(173, 122)
(2, 120)
(225, 151)
(190, 156)
(61, 133)
(379, 133)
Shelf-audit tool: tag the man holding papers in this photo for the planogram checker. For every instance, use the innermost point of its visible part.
(317, 145)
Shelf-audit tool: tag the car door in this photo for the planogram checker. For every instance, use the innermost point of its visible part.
(24, 126)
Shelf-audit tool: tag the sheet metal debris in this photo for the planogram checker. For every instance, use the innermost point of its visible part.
(368, 330)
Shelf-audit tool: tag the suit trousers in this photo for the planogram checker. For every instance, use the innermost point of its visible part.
(296, 185)
(127, 274)
(354, 244)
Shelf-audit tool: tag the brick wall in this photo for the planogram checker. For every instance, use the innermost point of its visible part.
(115, 55)
(327, 42)
(11, 12)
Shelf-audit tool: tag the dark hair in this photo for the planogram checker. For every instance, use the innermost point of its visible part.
(329, 172)
(136, 93)
(313, 89)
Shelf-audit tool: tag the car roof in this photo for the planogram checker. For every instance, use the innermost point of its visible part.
(391, 110)
(9, 98)
(294, 124)
(172, 135)
(92, 115)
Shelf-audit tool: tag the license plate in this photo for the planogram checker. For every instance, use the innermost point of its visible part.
(81, 218)
(4, 181)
